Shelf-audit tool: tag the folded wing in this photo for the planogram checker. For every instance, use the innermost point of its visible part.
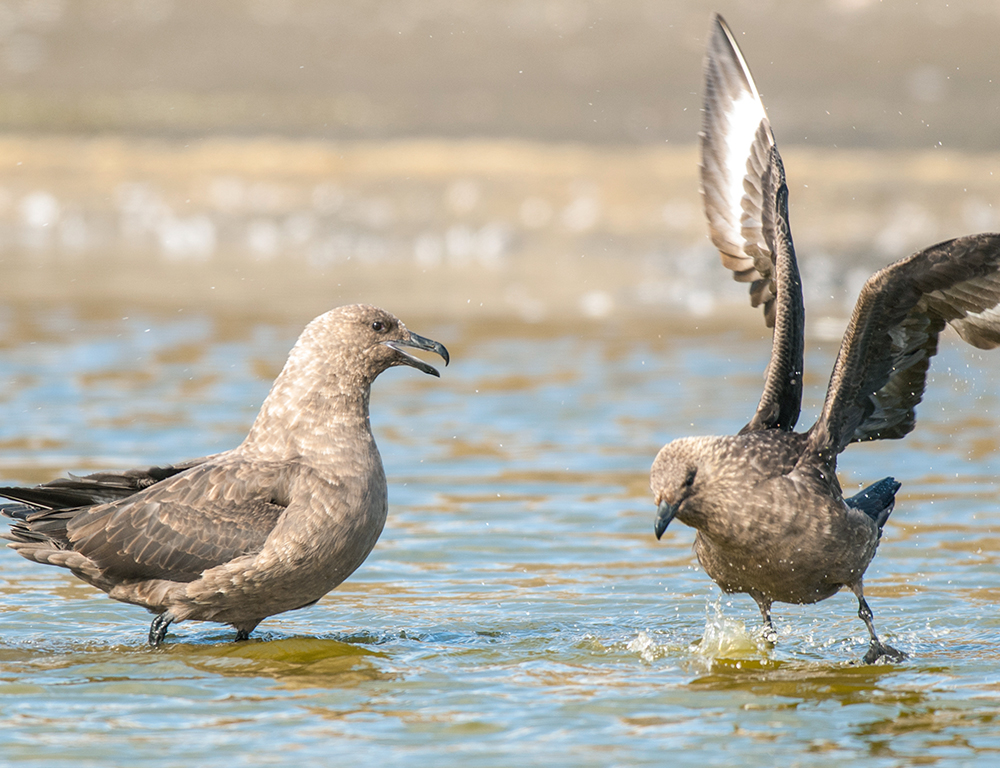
(173, 529)
(98, 488)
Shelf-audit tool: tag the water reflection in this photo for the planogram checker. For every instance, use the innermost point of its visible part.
(294, 662)
(517, 602)
(798, 682)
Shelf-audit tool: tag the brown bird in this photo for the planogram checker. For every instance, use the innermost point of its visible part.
(769, 512)
(269, 526)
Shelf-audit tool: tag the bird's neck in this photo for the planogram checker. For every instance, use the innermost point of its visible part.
(311, 409)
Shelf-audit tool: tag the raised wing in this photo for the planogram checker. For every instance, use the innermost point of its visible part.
(881, 369)
(746, 204)
(781, 400)
(736, 142)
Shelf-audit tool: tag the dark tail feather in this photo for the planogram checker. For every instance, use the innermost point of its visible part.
(17, 511)
(99, 488)
(50, 496)
(29, 524)
(876, 500)
(42, 512)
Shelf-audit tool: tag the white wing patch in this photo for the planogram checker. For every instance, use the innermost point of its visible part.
(744, 117)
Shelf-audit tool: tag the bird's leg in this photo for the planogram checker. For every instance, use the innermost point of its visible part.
(158, 629)
(243, 630)
(876, 649)
(767, 633)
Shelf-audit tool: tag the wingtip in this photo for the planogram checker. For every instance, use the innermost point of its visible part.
(722, 41)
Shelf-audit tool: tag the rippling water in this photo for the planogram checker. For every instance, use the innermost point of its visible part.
(517, 607)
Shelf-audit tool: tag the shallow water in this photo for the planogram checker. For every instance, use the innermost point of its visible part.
(517, 607)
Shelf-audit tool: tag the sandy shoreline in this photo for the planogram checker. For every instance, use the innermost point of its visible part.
(443, 228)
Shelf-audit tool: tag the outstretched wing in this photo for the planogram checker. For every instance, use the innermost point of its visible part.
(746, 204)
(881, 368)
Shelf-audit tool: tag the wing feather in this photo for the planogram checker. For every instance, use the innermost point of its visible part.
(881, 369)
(174, 528)
(736, 144)
(98, 488)
(746, 204)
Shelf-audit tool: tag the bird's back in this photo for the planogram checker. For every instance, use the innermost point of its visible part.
(777, 525)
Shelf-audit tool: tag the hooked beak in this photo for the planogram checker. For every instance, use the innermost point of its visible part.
(419, 342)
(664, 514)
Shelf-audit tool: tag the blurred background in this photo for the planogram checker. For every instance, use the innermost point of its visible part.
(183, 185)
(529, 159)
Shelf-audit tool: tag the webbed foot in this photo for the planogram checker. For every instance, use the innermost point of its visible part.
(879, 650)
(876, 649)
(158, 629)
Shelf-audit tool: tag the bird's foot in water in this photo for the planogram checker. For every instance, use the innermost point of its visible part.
(878, 651)
(158, 629)
(768, 635)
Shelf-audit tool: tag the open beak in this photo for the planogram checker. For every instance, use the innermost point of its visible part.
(664, 514)
(417, 341)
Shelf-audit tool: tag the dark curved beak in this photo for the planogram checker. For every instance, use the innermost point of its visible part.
(416, 341)
(664, 514)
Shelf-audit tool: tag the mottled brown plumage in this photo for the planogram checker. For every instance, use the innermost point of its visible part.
(770, 515)
(267, 527)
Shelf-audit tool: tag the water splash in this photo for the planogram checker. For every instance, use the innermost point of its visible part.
(647, 648)
(726, 638)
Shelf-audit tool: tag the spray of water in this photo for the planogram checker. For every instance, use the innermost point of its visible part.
(727, 638)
